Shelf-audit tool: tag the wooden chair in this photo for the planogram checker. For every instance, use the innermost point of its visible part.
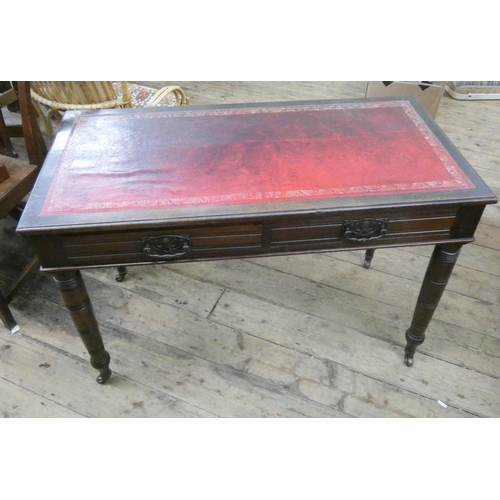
(51, 99)
(17, 181)
(8, 99)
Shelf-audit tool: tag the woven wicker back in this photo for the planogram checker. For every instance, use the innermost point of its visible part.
(52, 99)
(80, 95)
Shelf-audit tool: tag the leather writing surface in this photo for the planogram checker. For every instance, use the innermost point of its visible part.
(240, 155)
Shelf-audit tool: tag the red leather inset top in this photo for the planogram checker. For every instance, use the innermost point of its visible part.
(128, 161)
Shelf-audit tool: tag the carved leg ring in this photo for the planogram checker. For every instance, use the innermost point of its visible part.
(76, 299)
(438, 272)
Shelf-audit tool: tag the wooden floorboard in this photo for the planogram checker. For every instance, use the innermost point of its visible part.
(297, 336)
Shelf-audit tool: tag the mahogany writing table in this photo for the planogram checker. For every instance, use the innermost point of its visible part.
(140, 186)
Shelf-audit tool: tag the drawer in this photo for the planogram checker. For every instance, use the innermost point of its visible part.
(159, 245)
(381, 227)
(378, 228)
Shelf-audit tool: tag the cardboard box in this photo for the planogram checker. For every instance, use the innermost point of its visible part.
(428, 93)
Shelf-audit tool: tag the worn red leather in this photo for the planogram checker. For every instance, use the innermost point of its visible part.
(245, 155)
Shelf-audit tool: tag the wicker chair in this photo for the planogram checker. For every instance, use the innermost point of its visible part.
(52, 99)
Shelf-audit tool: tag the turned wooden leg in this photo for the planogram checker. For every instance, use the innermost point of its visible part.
(438, 272)
(76, 299)
(368, 257)
(122, 272)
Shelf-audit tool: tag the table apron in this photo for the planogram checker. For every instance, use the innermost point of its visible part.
(252, 238)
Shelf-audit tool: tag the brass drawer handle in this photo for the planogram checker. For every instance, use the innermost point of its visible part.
(364, 229)
(166, 247)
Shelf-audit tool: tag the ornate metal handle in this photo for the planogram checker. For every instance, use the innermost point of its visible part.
(364, 229)
(166, 247)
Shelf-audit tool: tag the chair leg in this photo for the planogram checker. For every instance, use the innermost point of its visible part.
(6, 315)
(28, 270)
(5, 312)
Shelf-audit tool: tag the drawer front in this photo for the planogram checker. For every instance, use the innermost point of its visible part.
(362, 232)
(161, 245)
(274, 235)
